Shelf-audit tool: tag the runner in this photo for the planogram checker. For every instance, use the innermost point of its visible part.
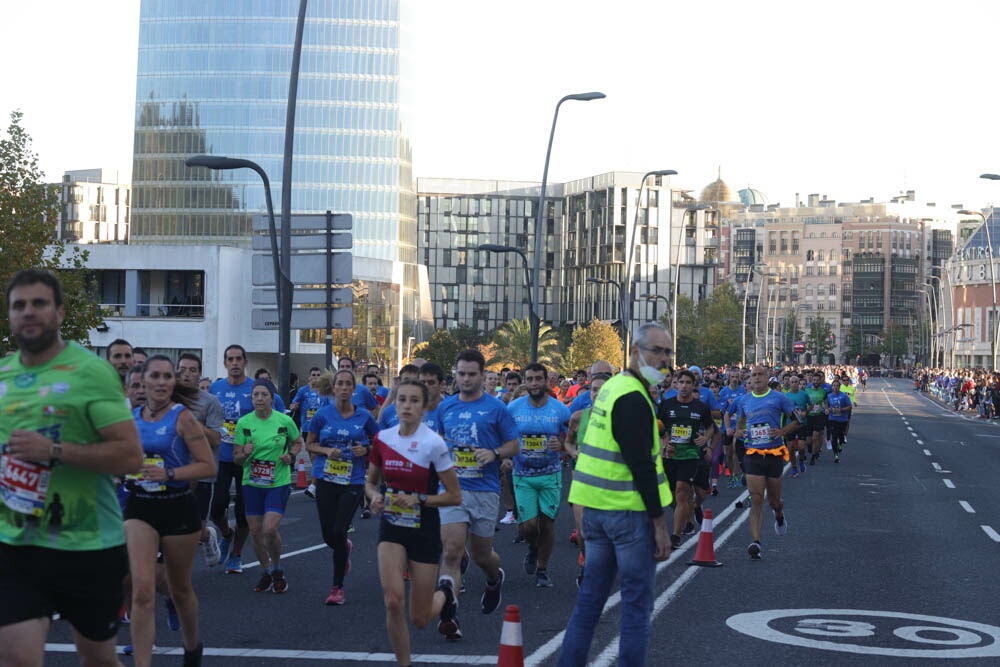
(265, 446)
(816, 416)
(840, 413)
(387, 415)
(542, 422)
(847, 387)
(765, 452)
(727, 395)
(62, 548)
(362, 397)
(119, 353)
(161, 514)
(688, 426)
(410, 459)
(796, 446)
(307, 401)
(339, 436)
(479, 432)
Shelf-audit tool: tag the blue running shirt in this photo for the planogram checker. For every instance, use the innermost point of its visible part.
(537, 425)
(763, 412)
(469, 425)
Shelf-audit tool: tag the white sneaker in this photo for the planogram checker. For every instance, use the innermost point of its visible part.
(210, 550)
(508, 518)
(311, 490)
(780, 526)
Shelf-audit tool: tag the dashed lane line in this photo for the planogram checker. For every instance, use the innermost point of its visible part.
(283, 654)
(927, 452)
(966, 506)
(994, 535)
(950, 484)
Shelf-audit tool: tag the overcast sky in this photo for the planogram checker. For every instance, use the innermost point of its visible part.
(849, 99)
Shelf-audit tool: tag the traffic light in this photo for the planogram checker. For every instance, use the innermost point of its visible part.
(833, 339)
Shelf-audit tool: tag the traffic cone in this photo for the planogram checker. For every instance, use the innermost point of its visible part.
(704, 555)
(511, 641)
(301, 481)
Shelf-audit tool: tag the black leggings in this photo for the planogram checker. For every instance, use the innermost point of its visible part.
(228, 471)
(336, 504)
(836, 435)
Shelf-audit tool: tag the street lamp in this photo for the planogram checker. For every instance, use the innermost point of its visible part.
(494, 247)
(578, 97)
(994, 330)
(746, 298)
(927, 347)
(621, 309)
(282, 283)
(655, 297)
(628, 278)
(772, 290)
(756, 327)
(677, 265)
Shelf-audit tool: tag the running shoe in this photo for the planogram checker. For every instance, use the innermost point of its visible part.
(173, 620)
(579, 578)
(129, 650)
(794, 472)
(492, 595)
(802, 465)
(812, 459)
(754, 550)
(574, 536)
(836, 458)
(450, 608)
(350, 547)
(675, 541)
(235, 564)
(530, 561)
(780, 524)
(224, 544)
(280, 583)
(193, 658)
(336, 596)
(350, 528)
(450, 629)
(466, 557)
(715, 488)
(542, 579)
(739, 504)
(508, 518)
(699, 514)
(461, 585)
(311, 491)
(519, 538)
(688, 529)
(265, 584)
(366, 513)
(743, 481)
(211, 550)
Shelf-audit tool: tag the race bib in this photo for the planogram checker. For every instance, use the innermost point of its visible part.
(310, 413)
(533, 445)
(230, 428)
(760, 435)
(337, 471)
(680, 435)
(24, 485)
(466, 465)
(404, 517)
(815, 409)
(262, 472)
(835, 410)
(146, 484)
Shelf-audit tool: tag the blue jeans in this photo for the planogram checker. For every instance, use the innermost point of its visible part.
(617, 542)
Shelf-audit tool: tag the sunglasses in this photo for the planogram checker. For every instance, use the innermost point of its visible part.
(601, 376)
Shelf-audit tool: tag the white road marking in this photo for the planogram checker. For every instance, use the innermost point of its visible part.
(284, 654)
(927, 452)
(992, 533)
(289, 555)
(936, 465)
(966, 506)
(920, 442)
(950, 484)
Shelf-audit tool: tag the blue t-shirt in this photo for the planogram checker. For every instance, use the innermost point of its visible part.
(236, 402)
(364, 398)
(382, 391)
(837, 403)
(537, 425)
(763, 412)
(160, 441)
(389, 417)
(468, 425)
(582, 401)
(709, 399)
(309, 402)
(333, 430)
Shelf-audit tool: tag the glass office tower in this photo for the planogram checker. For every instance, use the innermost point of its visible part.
(213, 78)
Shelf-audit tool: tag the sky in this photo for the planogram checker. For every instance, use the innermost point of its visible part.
(848, 99)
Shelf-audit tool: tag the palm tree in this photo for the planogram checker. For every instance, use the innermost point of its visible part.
(513, 343)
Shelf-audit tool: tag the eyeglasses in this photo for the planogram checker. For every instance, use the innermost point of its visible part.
(657, 350)
(601, 376)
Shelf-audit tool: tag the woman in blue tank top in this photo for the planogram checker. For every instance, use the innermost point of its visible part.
(161, 513)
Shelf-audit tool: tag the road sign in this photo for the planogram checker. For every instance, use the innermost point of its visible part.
(304, 296)
(305, 269)
(302, 318)
(798, 347)
(314, 222)
(306, 242)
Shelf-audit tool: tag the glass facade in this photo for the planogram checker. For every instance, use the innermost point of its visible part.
(213, 78)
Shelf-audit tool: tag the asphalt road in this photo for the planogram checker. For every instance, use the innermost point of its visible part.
(890, 556)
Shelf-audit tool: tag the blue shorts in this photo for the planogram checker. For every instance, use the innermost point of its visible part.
(258, 500)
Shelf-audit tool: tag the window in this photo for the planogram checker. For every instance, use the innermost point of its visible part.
(833, 290)
(810, 255)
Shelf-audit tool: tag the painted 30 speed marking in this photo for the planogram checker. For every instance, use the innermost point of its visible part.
(867, 632)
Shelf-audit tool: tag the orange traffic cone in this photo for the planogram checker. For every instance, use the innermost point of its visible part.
(511, 641)
(704, 555)
(301, 481)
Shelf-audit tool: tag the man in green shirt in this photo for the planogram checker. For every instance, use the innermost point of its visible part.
(66, 432)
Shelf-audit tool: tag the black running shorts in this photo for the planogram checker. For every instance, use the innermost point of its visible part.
(765, 465)
(84, 587)
(171, 513)
(423, 545)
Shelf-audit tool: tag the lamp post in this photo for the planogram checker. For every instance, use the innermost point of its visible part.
(628, 279)
(772, 290)
(926, 341)
(282, 283)
(655, 297)
(677, 267)
(578, 97)
(756, 328)
(948, 322)
(621, 309)
(994, 329)
(494, 247)
(746, 298)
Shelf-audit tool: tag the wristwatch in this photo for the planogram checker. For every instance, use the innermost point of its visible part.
(422, 498)
(170, 474)
(55, 452)
(496, 453)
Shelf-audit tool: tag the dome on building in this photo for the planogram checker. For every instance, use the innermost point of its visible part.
(716, 191)
(751, 197)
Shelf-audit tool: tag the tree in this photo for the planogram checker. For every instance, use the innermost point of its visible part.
(792, 332)
(467, 336)
(687, 346)
(818, 340)
(29, 213)
(513, 341)
(895, 343)
(442, 349)
(720, 317)
(595, 341)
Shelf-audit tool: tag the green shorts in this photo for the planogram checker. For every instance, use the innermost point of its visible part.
(537, 494)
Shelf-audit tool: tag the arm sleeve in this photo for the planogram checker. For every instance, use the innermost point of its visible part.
(632, 426)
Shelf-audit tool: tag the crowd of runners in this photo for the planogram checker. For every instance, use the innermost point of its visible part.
(442, 456)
